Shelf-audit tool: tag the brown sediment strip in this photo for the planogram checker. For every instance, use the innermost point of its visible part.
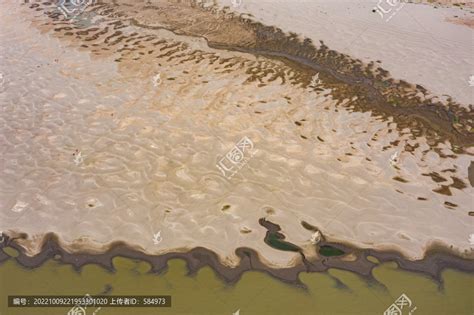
(435, 261)
(471, 173)
(408, 104)
(376, 90)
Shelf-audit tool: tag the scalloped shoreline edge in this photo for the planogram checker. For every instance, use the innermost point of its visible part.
(436, 259)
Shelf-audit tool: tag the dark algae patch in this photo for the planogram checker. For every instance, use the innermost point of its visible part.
(275, 239)
(330, 251)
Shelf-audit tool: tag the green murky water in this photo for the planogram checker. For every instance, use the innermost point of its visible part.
(335, 292)
(329, 251)
(276, 242)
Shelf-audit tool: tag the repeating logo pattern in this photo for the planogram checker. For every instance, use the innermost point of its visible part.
(388, 8)
(403, 305)
(72, 8)
(236, 158)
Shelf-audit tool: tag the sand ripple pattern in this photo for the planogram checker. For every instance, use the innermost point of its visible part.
(93, 150)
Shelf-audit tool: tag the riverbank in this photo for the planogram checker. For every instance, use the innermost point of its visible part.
(98, 151)
(359, 261)
(333, 292)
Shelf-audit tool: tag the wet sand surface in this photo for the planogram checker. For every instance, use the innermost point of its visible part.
(97, 149)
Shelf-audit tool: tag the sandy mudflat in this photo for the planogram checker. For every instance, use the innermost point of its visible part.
(149, 151)
(418, 43)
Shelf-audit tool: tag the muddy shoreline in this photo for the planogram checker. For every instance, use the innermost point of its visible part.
(435, 261)
(410, 104)
(346, 77)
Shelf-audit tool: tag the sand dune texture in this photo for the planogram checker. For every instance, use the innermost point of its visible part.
(113, 123)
